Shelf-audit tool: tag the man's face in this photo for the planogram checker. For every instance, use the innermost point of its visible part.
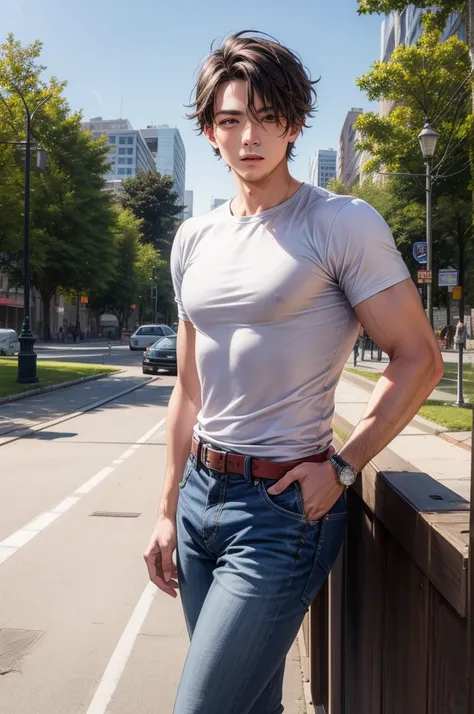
(239, 138)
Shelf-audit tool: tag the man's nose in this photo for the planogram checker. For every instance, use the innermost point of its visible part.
(251, 134)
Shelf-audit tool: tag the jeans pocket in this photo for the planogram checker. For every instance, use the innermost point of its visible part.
(288, 503)
(188, 469)
(331, 535)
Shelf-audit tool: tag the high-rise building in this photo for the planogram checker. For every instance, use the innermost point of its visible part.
(128, 152)
(216, 202)
(166, 145)
(348, 160)
(323, 167)
(188, 204)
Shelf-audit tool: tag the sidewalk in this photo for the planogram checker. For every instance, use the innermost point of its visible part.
(446, 462)
(33, 411)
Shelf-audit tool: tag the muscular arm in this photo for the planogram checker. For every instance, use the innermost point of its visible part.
(396, 322)
(184, 405)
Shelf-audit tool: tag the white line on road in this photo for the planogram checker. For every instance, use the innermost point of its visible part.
(12, 544)
(119, 659)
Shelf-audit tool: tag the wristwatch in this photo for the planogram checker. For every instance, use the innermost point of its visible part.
(345, 473)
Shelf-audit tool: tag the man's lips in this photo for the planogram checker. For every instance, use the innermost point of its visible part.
(252, 157)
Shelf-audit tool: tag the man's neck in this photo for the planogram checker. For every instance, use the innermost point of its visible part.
(255, 197)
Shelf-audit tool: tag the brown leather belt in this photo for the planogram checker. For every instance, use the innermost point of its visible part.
(226, 462)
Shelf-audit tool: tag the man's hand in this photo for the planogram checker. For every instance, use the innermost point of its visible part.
(159, 557)
(319, 487)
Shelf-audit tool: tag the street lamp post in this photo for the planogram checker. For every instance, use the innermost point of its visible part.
(27, 356)
(428, 139)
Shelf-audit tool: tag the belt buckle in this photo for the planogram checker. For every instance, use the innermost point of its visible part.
(222, 456)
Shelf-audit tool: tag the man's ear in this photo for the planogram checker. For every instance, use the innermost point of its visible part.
(209, 132)
(295, 132)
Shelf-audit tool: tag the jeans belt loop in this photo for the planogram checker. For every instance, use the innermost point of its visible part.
(248, 469)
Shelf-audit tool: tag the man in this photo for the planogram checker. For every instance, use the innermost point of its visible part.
(271, 288)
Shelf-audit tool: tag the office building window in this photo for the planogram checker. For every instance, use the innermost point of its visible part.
(129, 162)
(129, 172)
(121, 172)
(122, 151)
(129, 151)
(122, 139)
(112, 139)
(130, 139)
(121, 161)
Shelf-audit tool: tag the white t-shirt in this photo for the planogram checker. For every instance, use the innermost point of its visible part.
(271, 297)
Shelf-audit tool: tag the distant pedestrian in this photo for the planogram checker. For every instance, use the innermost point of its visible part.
(460, 337)
(356, 352)
(61, 334)
(271, 288)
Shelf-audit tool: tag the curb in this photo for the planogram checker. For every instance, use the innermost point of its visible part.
(55, 387)
(27, 431)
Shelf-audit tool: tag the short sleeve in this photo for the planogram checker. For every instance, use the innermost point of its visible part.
(361, 252)
(177, 273)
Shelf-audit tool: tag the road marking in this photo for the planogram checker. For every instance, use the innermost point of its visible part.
(12, 544)
(119, 659)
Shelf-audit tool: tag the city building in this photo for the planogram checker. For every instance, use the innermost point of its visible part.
(128, 152)
(348, 160)
(188, 204)
(323, 167)
(216, 202)
(167, 148)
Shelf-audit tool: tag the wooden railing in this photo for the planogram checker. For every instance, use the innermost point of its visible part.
(388, 633)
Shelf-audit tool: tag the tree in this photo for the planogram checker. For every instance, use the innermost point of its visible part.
(72, 242)
(151, 199)
(430, 80)
(120, 293)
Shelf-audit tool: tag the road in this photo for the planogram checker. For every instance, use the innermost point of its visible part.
(81, 629)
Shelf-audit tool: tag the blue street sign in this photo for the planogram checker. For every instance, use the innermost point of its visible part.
(419, 252)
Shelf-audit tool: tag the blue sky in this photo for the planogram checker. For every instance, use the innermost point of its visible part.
(146, 53)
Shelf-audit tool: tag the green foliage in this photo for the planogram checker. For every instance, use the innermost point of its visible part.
(430, 79)
(151, 199)
(337, 186)
(119, 294)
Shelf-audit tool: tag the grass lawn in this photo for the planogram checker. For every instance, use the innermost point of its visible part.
(453, 418)
(48, 373)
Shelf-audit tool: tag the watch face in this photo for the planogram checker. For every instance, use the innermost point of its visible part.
(347, 476)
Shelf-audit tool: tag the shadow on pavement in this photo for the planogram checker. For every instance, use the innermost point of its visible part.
(50, 435)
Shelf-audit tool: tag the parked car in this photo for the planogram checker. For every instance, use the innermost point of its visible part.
(146, 335)
(8, 341)
(161, 355)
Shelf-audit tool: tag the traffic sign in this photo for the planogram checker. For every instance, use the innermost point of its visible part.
(457, 293)
(420, 251)
(447, 277)
(84, 300)
(424, 276)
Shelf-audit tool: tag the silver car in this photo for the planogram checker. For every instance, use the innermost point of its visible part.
(148, 334)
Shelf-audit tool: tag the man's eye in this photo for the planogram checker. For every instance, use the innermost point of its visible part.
(270, 117)
(228, 122)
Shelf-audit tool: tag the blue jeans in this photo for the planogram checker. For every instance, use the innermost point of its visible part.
(249, 566)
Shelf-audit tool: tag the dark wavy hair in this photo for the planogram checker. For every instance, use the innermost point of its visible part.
(273, 72)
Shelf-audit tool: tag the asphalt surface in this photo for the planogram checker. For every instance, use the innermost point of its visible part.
(81, 629)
